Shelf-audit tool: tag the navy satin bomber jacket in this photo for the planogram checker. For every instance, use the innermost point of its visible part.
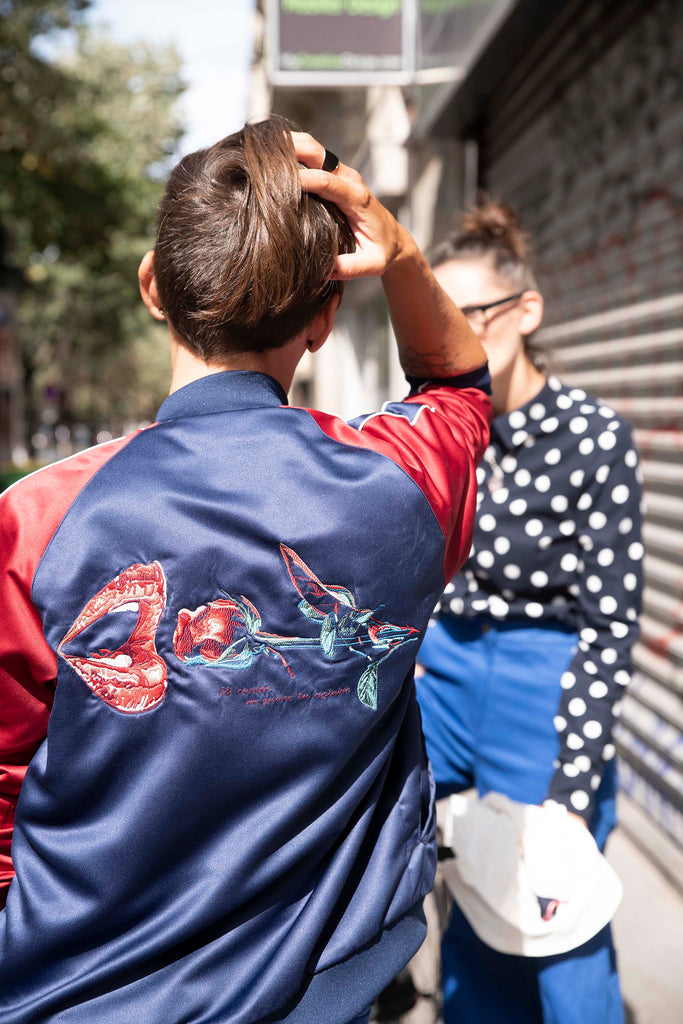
(207, 638)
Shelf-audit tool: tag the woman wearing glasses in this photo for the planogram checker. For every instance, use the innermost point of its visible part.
(528, 657)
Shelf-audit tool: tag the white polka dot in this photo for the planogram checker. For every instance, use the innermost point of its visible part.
(587, 408)
(498, 607)
(585, 501)
(567, 527)
(480, 605)
(481, 475)
(631, 614)
(487, 523)
(550, 425)
(622, 677)
(631, 459)
(577, 477)
(626, 525)
(559, 503)
(501, 545)
(472, 586)
(509, 463)
(578, 394)
(569, 562)
(578, 424)
(583, 763)
(500, 495)
(519, 437)
(594, 584)
(544, 543)
(597, 520)
(570, 770)
(619, 630)
(607, 440)
(509, 595)
(518, 507)
(595, 782)
(598, 689)
(592, 729)
(586, 445)
(573, 741)
(542, 483)
(589, 634)
(553, 456)
(620, 494)
(554, 383)
(522, 477)
(605, 557)
(539, 578)
(564, 402)
(450, 587)
(559, 722)
(576, 707)
(630, 581)
(517, 419)
(579, 800)
(457, 605)
(574, 589)
(616, 708)
(567, 680)
(635, 551)
(605, 411)
(609, 656)
(614, 425)
(583, 646)
(586, 542)
(533, 609)
(608, 752)
(512, 572)
(485, 559)
(608, 605)
(590, 667)
(601, 474)
(537, 411)
(529, 442)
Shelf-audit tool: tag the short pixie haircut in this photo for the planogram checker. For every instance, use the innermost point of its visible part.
(243, 257)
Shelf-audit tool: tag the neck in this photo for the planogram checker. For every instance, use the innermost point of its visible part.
(516, 387)
(278, 363)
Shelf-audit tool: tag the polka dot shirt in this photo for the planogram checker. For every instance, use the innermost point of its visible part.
(558, 541)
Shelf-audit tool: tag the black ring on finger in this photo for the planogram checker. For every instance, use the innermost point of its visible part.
(331, 161)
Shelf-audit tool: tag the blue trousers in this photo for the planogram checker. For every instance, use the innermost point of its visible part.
(488, 697)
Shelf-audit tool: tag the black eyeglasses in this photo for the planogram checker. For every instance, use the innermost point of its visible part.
(480, 317)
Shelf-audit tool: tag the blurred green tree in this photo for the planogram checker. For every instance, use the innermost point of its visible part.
(85, 141)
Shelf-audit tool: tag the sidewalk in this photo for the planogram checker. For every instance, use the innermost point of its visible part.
(648, 934)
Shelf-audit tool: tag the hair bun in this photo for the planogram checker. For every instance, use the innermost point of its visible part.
(491, 221)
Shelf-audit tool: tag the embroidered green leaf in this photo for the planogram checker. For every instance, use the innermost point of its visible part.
(328, 635)
(311, 613)
(367, 686)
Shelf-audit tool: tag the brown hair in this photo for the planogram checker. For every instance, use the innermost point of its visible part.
(491, 228)
(243, 257)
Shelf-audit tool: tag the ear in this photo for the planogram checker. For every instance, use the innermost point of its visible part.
(148, 286)
(531, 307)
(318, 331)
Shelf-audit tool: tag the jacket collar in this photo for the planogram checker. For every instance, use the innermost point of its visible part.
(222, 392)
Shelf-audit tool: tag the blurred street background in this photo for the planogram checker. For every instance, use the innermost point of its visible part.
(570, 109)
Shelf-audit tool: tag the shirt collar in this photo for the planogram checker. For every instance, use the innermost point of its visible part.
(513, 428)
(221, 392)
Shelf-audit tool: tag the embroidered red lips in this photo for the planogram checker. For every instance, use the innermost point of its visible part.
(131, 678)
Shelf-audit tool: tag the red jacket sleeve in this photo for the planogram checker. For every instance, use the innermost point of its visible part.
(437, 435)
(30, 512)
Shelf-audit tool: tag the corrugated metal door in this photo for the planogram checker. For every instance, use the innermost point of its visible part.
(587, 140)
